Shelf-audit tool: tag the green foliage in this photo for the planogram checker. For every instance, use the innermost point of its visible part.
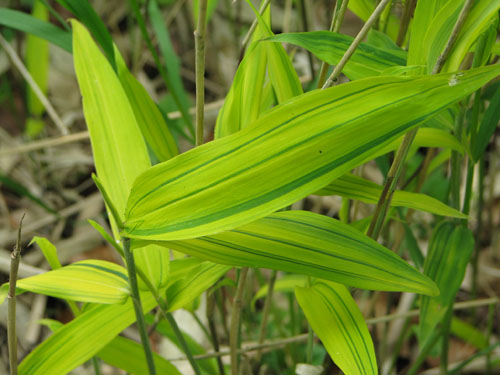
(274, 145)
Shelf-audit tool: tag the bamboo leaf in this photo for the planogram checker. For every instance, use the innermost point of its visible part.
(481, 17)
(29, 24)
(124, 353)
(87, 16)
(237, 113)
(49, 251)
(367, 60)
(364, 8)
(487, 127)
(425, 12)
(171, 61)
(449, 251)
(87, 281)
(354, 187)
(194, 282)
(287, 284)
(37, 63)
(336, 319)
(129, 355)
(120, 152)
(82, 338)
(149, 118)
(292, 151)
(310, 244)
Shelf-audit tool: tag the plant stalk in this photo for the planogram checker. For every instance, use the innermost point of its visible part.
(405, 21)
(235, 321)
(11, 297)
(199, 42)
(182, 341)
(396, 167)
(265, 314)
(210, 310)
(332, 80)
(136, 299)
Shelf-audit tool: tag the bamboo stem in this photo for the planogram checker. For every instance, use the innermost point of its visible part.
(332, 80)
(265, 314)
(182, 341)
(199, 42)
(235, 321)
(397, 165)
(405, 21)
(11, 297)
(136, 300)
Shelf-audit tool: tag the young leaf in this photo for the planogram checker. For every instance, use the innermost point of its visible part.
(149, 118)
(129, 355)
(449, 251)
(84, 12)
(49, 251)
(487, 127)
(123, 353)
(120, 152)
(310, 244)
(193, 283)
(354, 187)
(90, 280)
(292, 151)
(367, 60)
(37, 63)
(287, 283)
(82, 338)
(336, 319)
(364, 8)
(29, 24)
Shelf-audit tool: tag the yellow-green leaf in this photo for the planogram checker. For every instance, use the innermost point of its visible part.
(310, 244)
(120, 152)
(290, 152)
(149, 118)
(338, 322)
(354, 187)
(450, 248)
(82, 338)
(90, 280)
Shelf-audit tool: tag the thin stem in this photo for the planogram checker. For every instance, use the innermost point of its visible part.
(350, 51)
(446, 325)
(34, 86)
(213, 330)
(182, 341)
(235, 321)
(405, 21)
(390, 185)
(265, 313)
(310, 334)
(397, 165)
(11, 297)
(97, 366)
(337, 19)
(136, 299)
(199, 42)
(453, 37)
